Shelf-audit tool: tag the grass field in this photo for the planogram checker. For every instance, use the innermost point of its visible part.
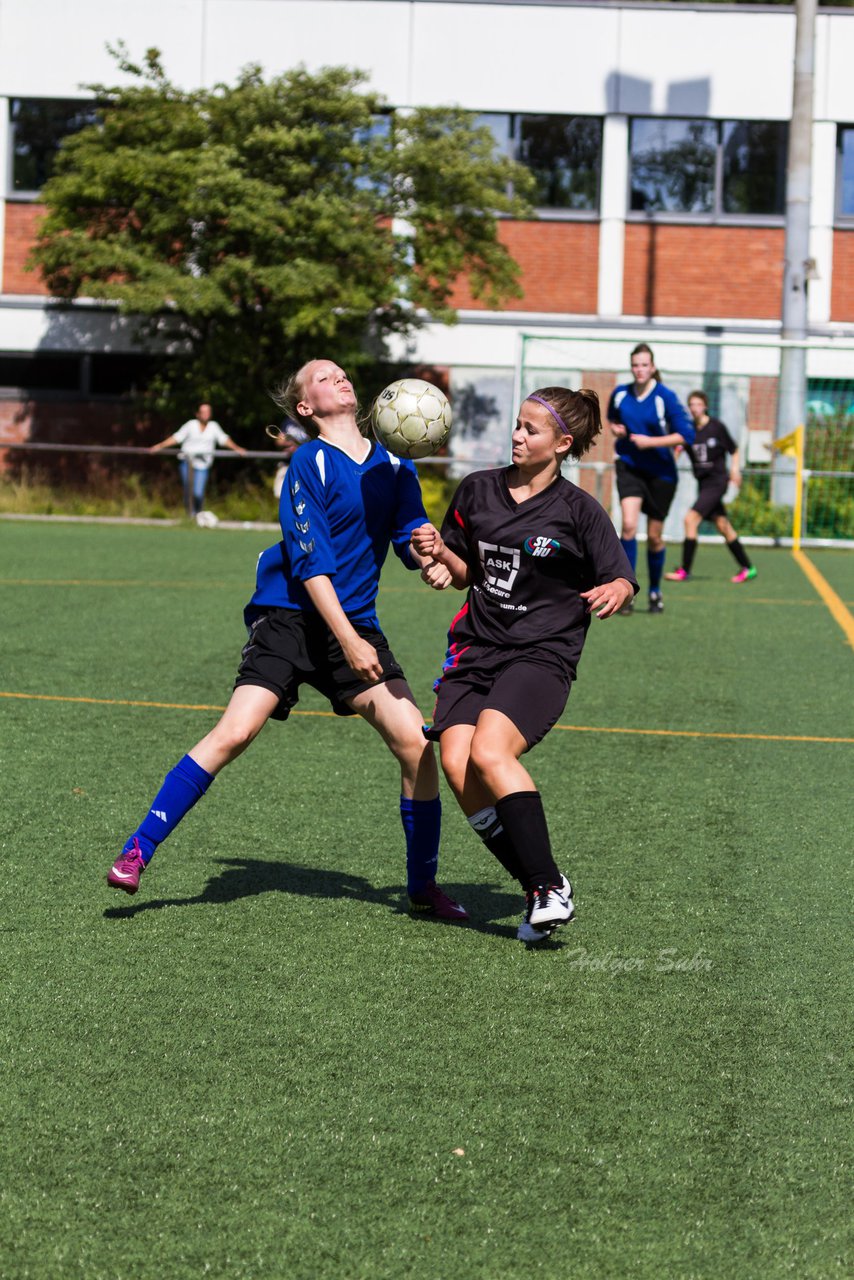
(261, 1066)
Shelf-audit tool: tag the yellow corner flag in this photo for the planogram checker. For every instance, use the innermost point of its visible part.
(791, 445)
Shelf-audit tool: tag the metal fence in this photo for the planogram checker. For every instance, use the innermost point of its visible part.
(827, 496)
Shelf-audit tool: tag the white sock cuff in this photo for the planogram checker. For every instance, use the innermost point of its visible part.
(483, 820)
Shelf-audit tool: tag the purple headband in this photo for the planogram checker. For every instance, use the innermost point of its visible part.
(558, 419)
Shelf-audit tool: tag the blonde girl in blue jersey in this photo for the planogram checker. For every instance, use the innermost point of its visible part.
(312, 620)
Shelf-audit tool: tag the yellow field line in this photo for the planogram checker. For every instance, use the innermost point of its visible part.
(701, 733)
(837, 607)
(567, 728)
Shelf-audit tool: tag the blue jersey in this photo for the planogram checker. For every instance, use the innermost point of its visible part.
(659, 413)
(338, 518)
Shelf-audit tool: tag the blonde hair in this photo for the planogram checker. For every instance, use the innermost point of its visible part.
(580, 413)
(288, 394)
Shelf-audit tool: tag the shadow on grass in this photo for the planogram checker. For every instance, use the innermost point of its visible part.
(248, 877)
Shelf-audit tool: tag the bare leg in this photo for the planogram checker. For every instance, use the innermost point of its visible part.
(630, 509)
(390, 708)
(248, 710)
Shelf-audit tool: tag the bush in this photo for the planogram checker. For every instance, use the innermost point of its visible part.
(752, 513)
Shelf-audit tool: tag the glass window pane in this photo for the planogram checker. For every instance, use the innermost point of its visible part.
(846, 146)
(377, 133)
(673, 165)
(39, 125)
(754, 166)
(564, 155)
(499, 127)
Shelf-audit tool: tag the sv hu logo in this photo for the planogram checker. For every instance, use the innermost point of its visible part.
(541, 546)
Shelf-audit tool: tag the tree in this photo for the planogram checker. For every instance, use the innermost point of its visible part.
(249, 228)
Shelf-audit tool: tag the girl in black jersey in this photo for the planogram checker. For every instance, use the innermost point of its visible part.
(539, 557)
(708, 454)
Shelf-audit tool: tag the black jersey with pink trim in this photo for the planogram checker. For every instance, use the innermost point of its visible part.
(529, 562)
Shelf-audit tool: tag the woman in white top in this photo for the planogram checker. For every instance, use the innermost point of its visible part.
(198, 438)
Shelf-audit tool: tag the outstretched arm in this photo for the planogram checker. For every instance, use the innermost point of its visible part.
(164, 444)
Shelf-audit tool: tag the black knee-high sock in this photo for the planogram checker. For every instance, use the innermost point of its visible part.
(740, 554)
(488, 826)
(689, 550)
(524, 821)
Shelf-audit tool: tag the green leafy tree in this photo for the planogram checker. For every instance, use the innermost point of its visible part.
(252, 227)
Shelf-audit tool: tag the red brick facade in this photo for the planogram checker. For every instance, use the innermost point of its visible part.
(21, 220)
(726, 272)
(560, 267)
(732, 272)
(842, 287)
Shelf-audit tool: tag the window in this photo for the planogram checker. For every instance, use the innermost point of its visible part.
(845, 172)
(563, 153)
(38, 127)
(40, 372)
(754, 166)
(117, 374)
(735, 167)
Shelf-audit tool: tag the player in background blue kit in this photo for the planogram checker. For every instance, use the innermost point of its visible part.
(649, 422)
(312, 620)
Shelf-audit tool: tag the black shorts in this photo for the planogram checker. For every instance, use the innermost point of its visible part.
(530, 687)
(657, 494)
(287, 649)
(710, 498)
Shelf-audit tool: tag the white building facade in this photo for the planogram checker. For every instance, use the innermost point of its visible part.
(604, 99)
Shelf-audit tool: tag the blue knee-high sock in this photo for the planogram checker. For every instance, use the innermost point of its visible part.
(630, 546)
(183, 785)
(655, 564)
(422, 821)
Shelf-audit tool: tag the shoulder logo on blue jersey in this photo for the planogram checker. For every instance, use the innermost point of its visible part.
(541, 546)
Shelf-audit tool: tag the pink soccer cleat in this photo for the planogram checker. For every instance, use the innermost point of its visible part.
(745, 575)
(127, 868)
(678, 575)
(432, 901)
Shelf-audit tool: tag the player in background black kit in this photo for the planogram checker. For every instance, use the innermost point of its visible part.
(539, 557)
(708, 456)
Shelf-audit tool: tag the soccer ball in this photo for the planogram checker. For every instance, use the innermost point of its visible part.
(412, 418)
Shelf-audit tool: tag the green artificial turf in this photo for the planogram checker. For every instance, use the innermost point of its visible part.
(261, 1066)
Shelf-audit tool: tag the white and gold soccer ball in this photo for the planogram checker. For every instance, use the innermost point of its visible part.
(412, 418)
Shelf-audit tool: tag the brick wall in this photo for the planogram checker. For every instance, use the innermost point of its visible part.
(734, 272)
(21, 220)
(560, 267)
(842, 288)
(762, 404)
(51, 419)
